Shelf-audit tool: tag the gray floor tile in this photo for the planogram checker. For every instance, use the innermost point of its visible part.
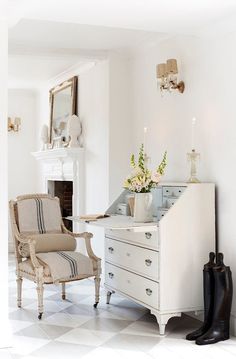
(54, 331)
(82, 309)
(132, 342)
(70, 297)
(113, 325)
(34, 331)
(27, 315)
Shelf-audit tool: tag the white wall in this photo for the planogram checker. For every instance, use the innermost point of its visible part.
(5, 333)
(207, 67)
(103, 106)
(94, 112)
(21, 164)
(22, 177)
(120, 123)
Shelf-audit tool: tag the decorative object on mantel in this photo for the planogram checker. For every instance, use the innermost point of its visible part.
(141, 181)
(44, 137)
(15, 125)
(166, 74)
(74, 131)
(193, 157)
(63, 101)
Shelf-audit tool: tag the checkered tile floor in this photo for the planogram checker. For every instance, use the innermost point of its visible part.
(74, 329)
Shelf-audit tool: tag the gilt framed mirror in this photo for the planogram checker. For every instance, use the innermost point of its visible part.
(63, 104)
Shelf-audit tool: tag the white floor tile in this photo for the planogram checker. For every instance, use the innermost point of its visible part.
(17, 325)
(5, 354)
(67, 320)
(140, 327)
(51, 306)
(25, 345)
(86, 337)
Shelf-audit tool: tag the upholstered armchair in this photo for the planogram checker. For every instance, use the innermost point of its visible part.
(45, 249)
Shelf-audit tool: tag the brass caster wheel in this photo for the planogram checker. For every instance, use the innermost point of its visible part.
(40, 316)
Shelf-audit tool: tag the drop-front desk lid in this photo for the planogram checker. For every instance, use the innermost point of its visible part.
(116, 222)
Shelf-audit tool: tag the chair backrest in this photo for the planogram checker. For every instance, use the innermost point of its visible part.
(38, 214)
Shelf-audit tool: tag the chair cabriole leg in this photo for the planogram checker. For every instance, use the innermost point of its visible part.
(63, 290)
(19, 281)
(40, 290)
(97, 281)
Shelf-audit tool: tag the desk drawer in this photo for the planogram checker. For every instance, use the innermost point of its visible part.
(137, 259)
(142, 289)
(172, 191)
(147, 238)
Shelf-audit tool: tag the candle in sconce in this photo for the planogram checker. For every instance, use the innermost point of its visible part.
(193, 133)
(144, 138)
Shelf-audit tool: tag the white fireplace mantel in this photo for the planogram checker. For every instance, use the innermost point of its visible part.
(64, 164)
(60, 154)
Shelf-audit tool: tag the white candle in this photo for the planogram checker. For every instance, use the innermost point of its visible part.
(193, 132)
(144, 138)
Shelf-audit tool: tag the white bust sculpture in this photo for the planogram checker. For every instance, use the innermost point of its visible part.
(74, 131)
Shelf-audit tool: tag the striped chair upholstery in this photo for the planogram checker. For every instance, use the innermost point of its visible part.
(39, 215)
(45, 249)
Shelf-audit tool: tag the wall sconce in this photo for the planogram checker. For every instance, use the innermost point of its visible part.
(14, 125)
(166, 76)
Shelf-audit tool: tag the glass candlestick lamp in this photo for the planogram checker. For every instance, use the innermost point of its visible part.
(193, 157)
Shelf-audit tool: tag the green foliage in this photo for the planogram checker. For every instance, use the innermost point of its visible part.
(132, 161)
(163, 164)
(141, 159)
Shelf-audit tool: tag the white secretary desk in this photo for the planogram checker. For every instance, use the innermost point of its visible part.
(159, 264)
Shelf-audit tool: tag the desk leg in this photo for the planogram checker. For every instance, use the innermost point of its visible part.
(109, 293)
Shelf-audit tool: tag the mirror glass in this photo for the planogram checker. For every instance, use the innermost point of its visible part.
(63, 105)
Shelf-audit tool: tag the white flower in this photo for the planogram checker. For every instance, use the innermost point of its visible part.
(156, 177)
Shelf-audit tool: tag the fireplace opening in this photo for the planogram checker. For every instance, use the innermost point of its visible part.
(64, 191)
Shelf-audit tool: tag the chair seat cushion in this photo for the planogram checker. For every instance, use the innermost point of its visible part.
(58, 268)
(49, 242)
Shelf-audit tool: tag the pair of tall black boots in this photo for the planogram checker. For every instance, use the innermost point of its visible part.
(218, 292)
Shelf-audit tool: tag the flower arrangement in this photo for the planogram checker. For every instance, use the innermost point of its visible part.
(142, 180)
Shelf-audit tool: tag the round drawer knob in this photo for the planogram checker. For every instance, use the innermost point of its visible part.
(111, 250)
(148, 291)
(148, 262)
(111, 275)
(148, 235)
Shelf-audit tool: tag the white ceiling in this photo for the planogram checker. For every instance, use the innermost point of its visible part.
(149, 15)
(48, 36)
(74, 38)
(29, 71)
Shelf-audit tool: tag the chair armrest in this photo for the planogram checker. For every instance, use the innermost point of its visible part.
(31, 242)
(87, 237)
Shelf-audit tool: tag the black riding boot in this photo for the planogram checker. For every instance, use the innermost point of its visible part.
(208, 289)
(219, 329)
